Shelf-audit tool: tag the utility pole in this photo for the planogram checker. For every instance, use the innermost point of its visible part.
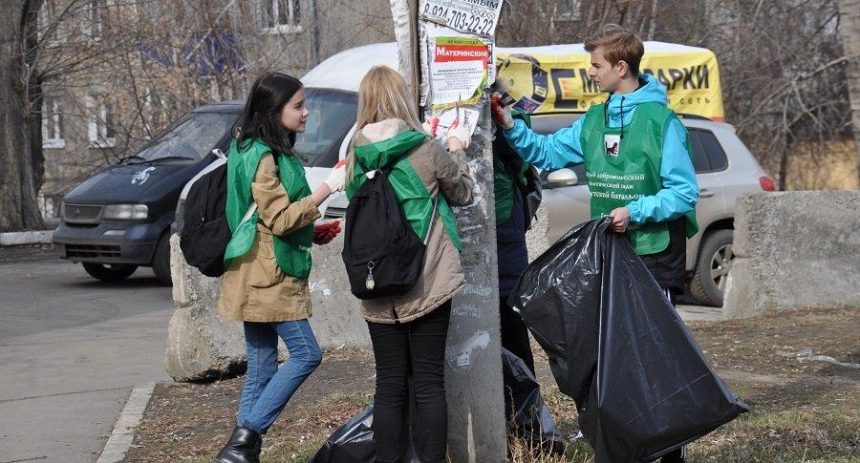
(313, 34)
(473, 370)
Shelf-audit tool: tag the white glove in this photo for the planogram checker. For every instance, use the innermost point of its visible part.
(462, 134)
(336, 179)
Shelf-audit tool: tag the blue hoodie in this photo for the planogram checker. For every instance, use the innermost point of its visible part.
(680, 190)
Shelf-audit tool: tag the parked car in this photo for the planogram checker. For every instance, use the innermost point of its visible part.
(119, 219)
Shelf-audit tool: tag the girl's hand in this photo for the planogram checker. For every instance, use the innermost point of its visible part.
(460, 137)
(325, 232)
(337, 178)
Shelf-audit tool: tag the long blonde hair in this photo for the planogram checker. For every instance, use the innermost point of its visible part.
(383, 95)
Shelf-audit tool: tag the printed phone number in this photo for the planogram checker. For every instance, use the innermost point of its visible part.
(461, 20)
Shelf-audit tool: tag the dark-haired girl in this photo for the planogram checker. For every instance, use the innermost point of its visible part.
(271, 212)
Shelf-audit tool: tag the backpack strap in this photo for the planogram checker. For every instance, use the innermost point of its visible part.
(432, 218)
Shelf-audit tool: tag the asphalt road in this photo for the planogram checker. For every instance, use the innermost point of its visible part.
(71, 349)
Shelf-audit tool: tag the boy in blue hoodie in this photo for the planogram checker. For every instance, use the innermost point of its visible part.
(636, 155)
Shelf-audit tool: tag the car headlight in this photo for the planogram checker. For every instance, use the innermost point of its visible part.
(126, 212)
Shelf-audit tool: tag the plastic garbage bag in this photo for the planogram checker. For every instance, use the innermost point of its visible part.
(353, 442)
(617, 346)
(532, 421)
(527, 416)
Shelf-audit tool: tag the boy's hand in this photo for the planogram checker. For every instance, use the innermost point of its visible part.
(620, 219)
(501, 114)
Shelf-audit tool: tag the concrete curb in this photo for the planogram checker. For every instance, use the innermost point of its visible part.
(25, 238)
(123, 432)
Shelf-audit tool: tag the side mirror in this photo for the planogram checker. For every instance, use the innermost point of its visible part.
(561, 178)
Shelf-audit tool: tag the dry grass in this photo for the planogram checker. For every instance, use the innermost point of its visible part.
(802, 411)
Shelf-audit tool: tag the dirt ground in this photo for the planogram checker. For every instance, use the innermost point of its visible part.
(805, 407)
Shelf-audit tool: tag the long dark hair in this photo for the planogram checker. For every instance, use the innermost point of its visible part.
(261, 116)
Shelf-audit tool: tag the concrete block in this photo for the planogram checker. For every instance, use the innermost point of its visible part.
(202, 345)
(336, 317)
(793, 250)
(26, 238)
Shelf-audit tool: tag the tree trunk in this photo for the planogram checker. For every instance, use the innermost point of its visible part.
(849, 28)
(19, 209)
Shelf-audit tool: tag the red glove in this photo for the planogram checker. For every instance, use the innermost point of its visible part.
(501, 114)
(325, 232)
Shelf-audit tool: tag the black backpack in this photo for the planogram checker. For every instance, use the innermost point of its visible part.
(205, 232)
(382, 254)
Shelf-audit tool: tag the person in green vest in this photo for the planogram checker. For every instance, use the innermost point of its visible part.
(514, 184)
(271, 211)
(408, 331)
(637, 159)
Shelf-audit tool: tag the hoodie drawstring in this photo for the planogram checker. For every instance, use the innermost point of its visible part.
(606, 114)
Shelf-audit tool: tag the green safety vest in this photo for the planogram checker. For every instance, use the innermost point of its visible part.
(293, 251)
(616, 180)
(413, 196)
(504, 185)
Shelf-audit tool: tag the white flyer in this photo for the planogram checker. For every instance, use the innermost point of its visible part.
(478, 17)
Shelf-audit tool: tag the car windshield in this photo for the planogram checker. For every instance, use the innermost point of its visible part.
(190, 137)
(331, 115)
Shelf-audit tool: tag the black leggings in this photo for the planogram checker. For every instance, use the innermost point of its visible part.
(417, 348)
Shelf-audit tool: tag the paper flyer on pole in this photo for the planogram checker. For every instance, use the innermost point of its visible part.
(460, 67)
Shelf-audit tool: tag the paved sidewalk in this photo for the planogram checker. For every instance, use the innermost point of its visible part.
(692, 313)
(71, 349)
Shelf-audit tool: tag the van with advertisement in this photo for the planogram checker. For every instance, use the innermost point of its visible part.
(551, 83)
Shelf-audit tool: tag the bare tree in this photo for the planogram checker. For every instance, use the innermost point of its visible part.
(849, 27)
(18, 183)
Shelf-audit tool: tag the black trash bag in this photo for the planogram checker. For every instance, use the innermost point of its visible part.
(353, 442)
(527, 416)
(617, 346)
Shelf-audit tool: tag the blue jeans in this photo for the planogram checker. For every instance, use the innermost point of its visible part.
(267, 387)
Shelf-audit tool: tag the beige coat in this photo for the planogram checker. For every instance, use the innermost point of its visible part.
(254, 288)
(442, 276)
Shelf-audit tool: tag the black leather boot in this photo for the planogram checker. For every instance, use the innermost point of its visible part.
(243, 447)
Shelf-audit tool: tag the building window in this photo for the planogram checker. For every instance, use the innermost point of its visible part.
(52, 124)
(100, 125)
(95, 19)
(282, 16)
(48, 23)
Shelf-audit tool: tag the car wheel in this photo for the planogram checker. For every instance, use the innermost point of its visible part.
(109, 272)
(712, 268)
(161, 261)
